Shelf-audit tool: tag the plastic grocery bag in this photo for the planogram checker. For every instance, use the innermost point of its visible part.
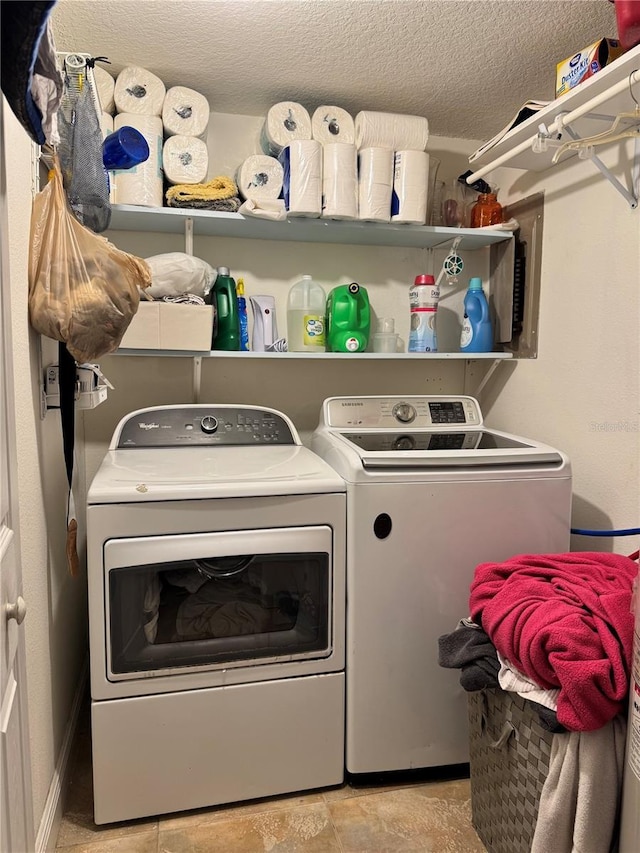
(175, 273)
(82, 290)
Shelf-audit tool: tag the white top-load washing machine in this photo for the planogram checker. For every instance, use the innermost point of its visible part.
(216, 581)
(431, 493)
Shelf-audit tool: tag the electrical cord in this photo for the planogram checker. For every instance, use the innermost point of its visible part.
(630, 531)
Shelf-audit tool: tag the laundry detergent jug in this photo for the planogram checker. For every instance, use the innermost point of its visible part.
(348, 318)
(224, 298)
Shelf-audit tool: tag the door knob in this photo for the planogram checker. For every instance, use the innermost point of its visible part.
(17, 611)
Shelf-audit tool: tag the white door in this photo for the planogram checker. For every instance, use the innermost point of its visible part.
(16, 820)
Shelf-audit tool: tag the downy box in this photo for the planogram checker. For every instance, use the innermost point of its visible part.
(584, 64)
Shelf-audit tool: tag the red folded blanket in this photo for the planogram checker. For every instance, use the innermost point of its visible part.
(564, 620)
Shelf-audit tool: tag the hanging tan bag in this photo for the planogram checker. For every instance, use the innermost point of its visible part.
(82, 290)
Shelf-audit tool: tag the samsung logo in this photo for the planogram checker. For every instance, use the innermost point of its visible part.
(352, 404)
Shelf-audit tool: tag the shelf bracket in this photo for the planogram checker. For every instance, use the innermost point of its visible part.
(615, 183)
(188, 236)
(477, 391)
(197, 378)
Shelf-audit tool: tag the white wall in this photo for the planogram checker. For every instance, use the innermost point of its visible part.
(582, 392)
(55, 627)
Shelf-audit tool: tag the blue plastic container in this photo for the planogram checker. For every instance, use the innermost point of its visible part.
(124, 149)
(477, 330)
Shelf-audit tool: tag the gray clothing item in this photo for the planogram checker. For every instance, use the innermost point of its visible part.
(579, 803)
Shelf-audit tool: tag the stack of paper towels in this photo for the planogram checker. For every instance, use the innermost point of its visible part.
(140, 100)
(185, 119)
(393, 168)
(138, 95)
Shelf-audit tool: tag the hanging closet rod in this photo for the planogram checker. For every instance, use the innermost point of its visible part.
(559, 122)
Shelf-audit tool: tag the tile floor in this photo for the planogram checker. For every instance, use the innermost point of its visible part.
(432, 817)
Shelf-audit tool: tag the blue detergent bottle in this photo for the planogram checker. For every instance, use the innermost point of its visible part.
(477, 331)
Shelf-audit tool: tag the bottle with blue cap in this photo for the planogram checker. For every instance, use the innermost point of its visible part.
(477, 330)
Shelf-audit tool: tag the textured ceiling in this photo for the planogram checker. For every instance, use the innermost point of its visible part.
(466, 66)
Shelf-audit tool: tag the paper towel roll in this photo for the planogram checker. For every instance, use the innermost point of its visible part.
(105, 85)
(259, 178)
(375, 184)
(185, 160)
(143, 183)
(410, 187)
(391, 130)
(286, 122)
(302, 181)
(185, 112)
(106, 124)
(139, 91)
(339, 181)
(332, 124)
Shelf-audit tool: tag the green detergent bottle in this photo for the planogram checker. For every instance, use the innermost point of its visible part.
(223, 295)
(348, 318)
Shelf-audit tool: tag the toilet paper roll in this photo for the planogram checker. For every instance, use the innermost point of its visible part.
(302, 180)
(286, 122)
(339, 181)
(375, 184)
(185, 112)
(139, 91)
(391, 130)
(332, 124)
(143, 183)
(185, 160)
(105, 85)
(259, 178)
(410, 187)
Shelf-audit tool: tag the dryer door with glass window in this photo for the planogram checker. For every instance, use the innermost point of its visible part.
(211, 601)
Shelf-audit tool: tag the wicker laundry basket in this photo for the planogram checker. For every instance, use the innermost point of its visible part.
(509, 760)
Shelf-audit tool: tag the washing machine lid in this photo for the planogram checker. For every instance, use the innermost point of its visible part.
(360, 436)
(197, 452)
(198, 473)
(473, 448)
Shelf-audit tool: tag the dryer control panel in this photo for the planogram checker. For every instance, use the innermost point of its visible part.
(204, 426)
(386, 413)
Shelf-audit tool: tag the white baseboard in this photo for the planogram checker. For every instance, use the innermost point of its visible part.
(52, 814)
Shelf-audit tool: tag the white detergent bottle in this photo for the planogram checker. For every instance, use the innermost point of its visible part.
(306, 310)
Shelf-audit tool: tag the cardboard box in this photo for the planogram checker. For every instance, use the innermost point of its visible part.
(579, 67)
(170, 326)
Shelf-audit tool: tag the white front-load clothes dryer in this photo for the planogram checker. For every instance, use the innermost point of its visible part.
(431, 493)
(216, 582)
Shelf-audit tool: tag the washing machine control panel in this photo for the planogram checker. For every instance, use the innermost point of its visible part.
(422, 412)
(205, 426)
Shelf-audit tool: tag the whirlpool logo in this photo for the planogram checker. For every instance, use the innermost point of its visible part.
(142, 425)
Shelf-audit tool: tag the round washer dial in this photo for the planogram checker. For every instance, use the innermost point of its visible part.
(209, 424)
(404, 412)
